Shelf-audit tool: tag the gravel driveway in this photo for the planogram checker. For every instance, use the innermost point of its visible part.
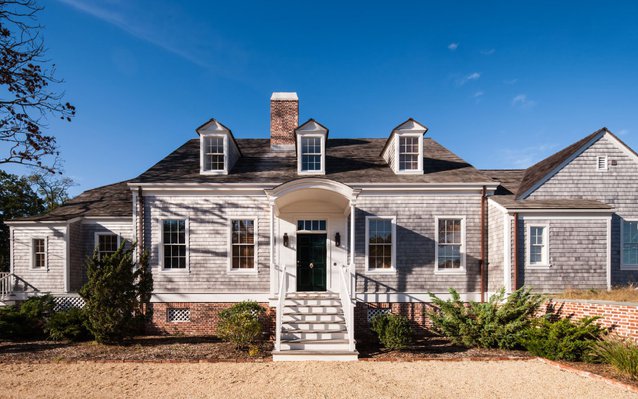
(435, 379)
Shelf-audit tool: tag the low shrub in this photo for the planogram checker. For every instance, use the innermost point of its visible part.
(241, 324)
(496, 323)
(394, 331)
(562, 339)
(621, 355)
(27, 320)
(68, 325)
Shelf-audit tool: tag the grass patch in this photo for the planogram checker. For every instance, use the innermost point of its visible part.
(622, 355)
(619, 294)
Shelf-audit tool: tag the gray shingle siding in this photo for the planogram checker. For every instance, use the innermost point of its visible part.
(51, 278)
(495, 267)
(415, 245)
(208, 240)
(618, 187)
(77, 268)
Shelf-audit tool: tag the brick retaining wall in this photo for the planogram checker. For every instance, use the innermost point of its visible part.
(621, 317)
(203, 318)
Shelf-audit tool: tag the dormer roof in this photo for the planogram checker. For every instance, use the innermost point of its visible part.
(213, 126)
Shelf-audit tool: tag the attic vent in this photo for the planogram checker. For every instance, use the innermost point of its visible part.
(601, 163)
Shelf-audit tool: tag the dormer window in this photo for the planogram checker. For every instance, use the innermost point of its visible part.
(311, 154)
(404, 149)
(311, 148)
(408, 153)
(214, 153)
(218, 149)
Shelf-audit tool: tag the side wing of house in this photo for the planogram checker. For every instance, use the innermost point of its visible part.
(605, 170)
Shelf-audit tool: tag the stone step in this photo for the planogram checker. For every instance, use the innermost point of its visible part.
(306, 355)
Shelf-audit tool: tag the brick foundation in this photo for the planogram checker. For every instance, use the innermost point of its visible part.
(203, 318)
(415, 312)
(622, 318)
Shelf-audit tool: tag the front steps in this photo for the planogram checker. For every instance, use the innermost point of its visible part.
(314, 328)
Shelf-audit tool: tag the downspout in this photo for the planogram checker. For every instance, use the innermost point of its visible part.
(140, 222)
(515, 240)
(483, 229)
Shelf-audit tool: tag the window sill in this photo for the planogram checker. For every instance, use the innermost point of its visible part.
(316, 172)
(628, 267)
(540, 266)
(381, 271)
(410, 172)
(453, 272)
(213, 172)
(244, 272)
(170, 270)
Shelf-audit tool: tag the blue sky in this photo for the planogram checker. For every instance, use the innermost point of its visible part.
(502, 84)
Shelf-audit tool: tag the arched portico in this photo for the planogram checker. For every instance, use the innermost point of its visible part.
(311, 216)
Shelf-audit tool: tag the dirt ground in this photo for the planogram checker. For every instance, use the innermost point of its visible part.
(421, 379)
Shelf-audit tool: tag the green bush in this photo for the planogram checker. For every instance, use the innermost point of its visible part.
(116, 295)
(622, 355)
(68, 325)
(394, 331)
(241, 324)
(562, 339)
(496, 323)
(27, 320)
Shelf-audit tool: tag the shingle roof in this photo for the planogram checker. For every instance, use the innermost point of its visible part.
(537, 172)
(510, 179)
(114, 200)
(510, 202)
(347, 161)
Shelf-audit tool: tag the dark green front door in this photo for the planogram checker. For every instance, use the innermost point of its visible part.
(311, 262)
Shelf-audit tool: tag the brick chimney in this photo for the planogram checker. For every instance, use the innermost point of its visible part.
(284, 119)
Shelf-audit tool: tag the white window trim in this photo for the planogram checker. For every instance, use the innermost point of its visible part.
(202, 141)
(606, 163)
(46, 255)
(229, 269)
(322, 138)
(393, 266)
(546, 261)
(462, 269)
(97, 235)
(623, 265)
(397, 153)
(160, 251)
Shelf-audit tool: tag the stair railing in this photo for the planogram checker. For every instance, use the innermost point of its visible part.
(6, 285)
(348, 303)
(281, 298)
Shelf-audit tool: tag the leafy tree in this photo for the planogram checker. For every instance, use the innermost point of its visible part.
(17, 199)
(116, 294)
(27, 84)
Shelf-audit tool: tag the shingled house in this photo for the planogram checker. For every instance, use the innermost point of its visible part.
(330, 231)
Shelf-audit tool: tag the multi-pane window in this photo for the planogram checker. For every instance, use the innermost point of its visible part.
(630, 243)
(450, 241)
(311, 225)
(214, 153)
(537, 245)
(174, 243)
(409, 153)
(39, 253)
(379, 243)
(243, 244)
(107, 244)
(311, 154)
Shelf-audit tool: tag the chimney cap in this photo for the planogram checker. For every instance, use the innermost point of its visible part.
(284, 96)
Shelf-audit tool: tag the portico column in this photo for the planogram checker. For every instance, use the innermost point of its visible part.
(352, 234)
(273, 272)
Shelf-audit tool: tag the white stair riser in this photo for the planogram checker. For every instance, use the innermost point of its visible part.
(313, 327)
(327, 346)
(312, 309)
(288, 318)
(312, 302)
(319, 357)
(314, 335)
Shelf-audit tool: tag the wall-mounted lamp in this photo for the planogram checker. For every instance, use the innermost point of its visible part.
(286, 242)
(338, 239)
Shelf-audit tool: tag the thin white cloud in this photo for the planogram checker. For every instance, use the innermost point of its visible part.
(623, 132)
(525, 157)
(453, 46)
(521, 101)
(468, 78)
(488, 52)
(478, 94)
(510, 81)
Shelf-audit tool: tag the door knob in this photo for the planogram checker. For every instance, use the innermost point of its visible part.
(311, 265)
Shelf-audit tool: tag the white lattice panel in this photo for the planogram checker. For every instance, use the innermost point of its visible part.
(178, 315)
(68, 302)
(377, 311)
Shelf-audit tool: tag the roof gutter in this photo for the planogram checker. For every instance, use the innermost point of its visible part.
(483, 241)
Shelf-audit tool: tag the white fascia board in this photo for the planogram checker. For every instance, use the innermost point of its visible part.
(31, 223)
(209, 297)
